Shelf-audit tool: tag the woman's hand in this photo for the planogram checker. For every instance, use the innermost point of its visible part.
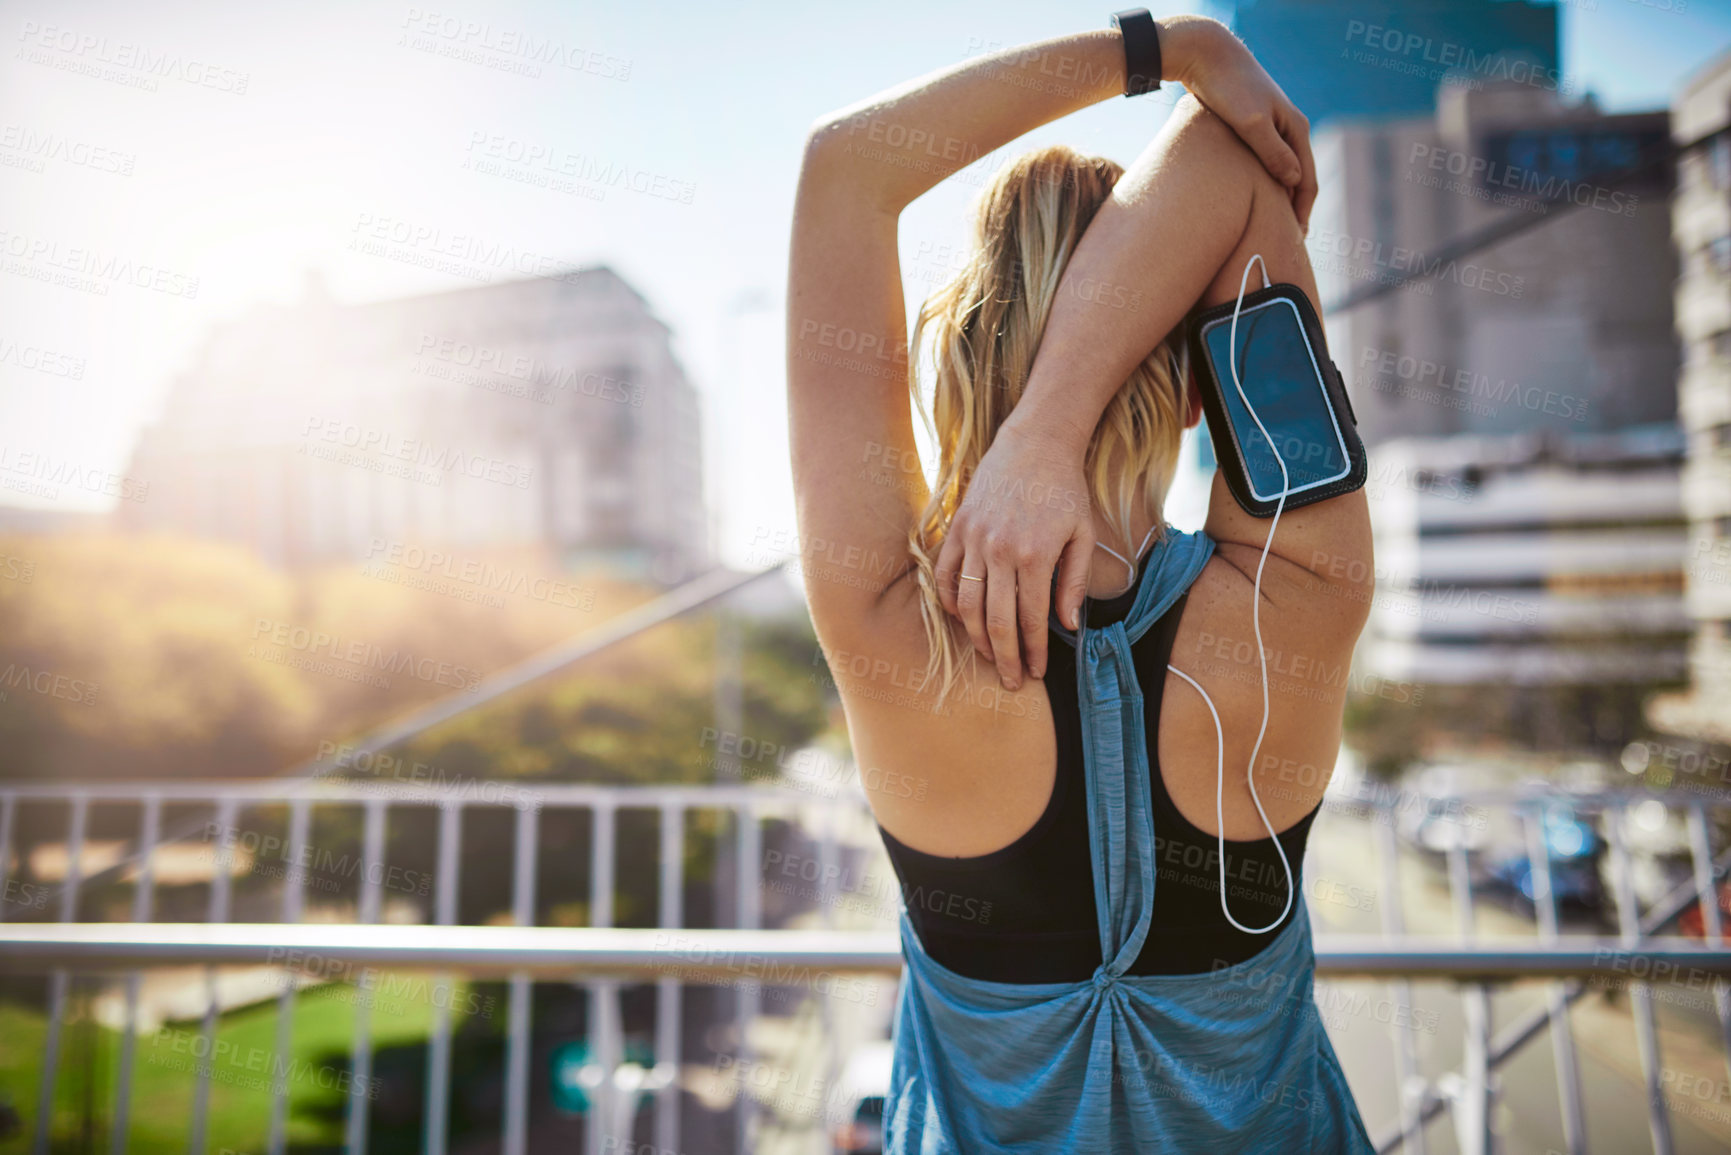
(1026, 513)
(1204, 56)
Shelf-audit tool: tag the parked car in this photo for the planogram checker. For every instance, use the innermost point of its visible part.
(1573, 847)
(865, 1081)
(1429, 815)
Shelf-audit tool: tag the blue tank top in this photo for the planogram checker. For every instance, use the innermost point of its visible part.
(1235, 1059)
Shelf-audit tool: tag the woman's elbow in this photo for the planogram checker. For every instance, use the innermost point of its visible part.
(827, 138)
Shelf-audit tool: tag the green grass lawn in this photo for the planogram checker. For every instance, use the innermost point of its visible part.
(165, 1067)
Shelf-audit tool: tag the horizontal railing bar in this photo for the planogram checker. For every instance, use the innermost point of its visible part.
(407, 793)
(701, 955)
(511, 792)
(1390, 796)
(732, 954)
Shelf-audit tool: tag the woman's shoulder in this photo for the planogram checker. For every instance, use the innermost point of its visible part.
(972, 768)
(1303, 634)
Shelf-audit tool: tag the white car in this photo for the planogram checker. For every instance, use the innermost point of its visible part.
(865, 1081)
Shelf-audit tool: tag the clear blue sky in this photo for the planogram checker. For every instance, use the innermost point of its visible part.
(339, 118)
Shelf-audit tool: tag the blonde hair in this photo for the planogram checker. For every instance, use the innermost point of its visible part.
(985, 326)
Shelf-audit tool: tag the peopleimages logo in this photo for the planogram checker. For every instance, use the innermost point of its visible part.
(541, 377)
(89, 269)
(1483, 175)
(1422, 373)
(477, 41)
(1415, 263)
(35, 147)
(47, 683)
(49, 473)
(316, 859)
(100, 56)
(40, 360)
(310, 642)
(479, 573)
(1445, 57)
(382, 444)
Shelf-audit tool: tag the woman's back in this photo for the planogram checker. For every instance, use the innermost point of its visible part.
(1025, 913)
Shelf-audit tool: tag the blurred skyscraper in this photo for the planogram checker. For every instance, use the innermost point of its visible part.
(1347, 58)
(1493, 254)
(546, 411)
(1563, 323)
(1518, 396)
(1701, 223)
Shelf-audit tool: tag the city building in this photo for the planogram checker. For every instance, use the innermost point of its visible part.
(1701, 228)
(1528, 559)
(1562, 323)
(1346, 58)
(546, 411)
(1496, 280)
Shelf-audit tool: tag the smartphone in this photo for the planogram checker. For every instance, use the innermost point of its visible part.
(1296, 390)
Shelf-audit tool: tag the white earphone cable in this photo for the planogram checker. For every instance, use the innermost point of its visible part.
(1256, 621)
(1127, 563)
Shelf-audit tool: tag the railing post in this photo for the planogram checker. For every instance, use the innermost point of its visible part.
(439, 1047)
(668, 1020)
(1473, 1106)
(61, 979)
(8, 805)
(605, 1111)
(1486, 1051)
(1640, 993)
(829, 855)
(293, 897)
(749, 855)
(1411, 1091)
(150, 824)
(518, 1026)
(226, 808)
(1556, 997)
(1712, 925)
(601, 858)
(369, 901)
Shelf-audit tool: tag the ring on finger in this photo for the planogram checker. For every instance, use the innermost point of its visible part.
(968, 577)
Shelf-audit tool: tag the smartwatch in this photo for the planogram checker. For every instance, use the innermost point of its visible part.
(1141, 50)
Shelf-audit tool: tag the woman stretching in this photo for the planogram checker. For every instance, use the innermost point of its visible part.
(1105, 934)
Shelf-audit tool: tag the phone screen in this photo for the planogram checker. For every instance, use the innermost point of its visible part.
(1281, 377)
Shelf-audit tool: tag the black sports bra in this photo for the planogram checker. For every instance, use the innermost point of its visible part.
(1025, 913)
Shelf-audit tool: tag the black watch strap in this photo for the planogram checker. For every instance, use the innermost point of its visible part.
(1141, 50)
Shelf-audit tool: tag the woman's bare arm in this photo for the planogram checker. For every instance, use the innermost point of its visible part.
(894, 146)
(1171, 224)
(849, 416)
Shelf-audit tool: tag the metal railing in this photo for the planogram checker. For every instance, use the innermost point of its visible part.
(301, 786)
(1636, 952)
(602, 957)
(46, 946)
